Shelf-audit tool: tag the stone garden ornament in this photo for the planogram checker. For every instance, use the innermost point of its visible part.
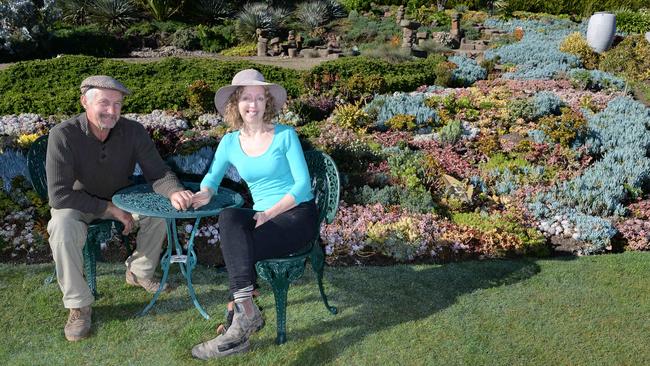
(601, 30)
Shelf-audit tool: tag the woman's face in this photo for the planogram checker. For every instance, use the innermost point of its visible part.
(252, 104)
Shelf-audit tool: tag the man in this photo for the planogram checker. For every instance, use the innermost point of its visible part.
(89, 158)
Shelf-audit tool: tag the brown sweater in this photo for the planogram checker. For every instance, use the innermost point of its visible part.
(83, 172)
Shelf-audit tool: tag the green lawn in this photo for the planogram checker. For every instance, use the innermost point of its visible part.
(589, 310)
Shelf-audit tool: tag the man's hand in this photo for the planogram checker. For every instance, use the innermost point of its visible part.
(201, 198)
(122, 216)
(181, 200)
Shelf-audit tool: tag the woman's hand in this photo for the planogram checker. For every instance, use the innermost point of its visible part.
(261, 217)
(201, 198)
(181, 200)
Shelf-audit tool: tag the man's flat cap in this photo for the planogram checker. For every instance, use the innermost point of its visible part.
(103, 82)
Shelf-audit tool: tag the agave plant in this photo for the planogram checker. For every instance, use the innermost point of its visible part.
(211, 11)
(260, 15)
(316, 13)
(113, 13)
(312, 13)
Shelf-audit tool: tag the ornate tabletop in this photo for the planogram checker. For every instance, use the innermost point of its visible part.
(142, 200)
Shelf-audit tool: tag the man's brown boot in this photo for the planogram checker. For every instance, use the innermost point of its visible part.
(149, 284)
(78, 325)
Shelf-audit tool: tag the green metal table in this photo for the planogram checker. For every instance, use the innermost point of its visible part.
(142, 200)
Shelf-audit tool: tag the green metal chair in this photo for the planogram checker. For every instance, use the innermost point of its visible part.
(281, 272)
(98, 230)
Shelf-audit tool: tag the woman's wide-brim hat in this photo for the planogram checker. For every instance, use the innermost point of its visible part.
(249, 77)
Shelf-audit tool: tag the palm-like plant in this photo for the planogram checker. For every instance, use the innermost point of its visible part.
(113, 13)
(75, 11)
(162, 9)
(262, 16)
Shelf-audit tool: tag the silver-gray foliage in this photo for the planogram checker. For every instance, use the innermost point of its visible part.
(262, 16)
(25, 21)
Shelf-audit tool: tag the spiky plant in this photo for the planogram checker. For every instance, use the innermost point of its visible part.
(75, 11)
(113, 13)
(162, 9)
(211, 11)
(260, 15)
(313, 13)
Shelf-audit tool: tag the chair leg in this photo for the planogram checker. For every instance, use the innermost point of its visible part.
(51, 277)
(280, 275)
(280, 289)
(317, 264)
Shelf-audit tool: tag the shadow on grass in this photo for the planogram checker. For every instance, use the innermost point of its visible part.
(376, 302)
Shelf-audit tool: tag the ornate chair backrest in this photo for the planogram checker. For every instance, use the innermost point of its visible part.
(325, 184)
(36, 165)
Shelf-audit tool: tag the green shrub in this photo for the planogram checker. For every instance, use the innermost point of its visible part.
(431, 15)
(532, 241)
(451, 132)
(200, 96)
(412, 200)
(186, 39)
(52, 86)
(407, 76)
(444, 73)
(216, 38)
(88, 40)
(629, 59)
(563, 129)
(389, 53)
(580, 7)
(361, 29)
(633, 21)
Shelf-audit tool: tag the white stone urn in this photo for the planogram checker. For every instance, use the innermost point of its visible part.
(647, 36)
(601, 30)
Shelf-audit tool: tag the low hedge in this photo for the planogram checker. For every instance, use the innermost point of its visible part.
(406, 76)
(51, 86)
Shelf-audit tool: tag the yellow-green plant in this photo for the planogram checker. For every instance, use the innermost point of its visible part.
(351, 116)
(399, 240)
(402, 122)
(576, 44)
(630, 58)
(200, 96)
(564, 128)
(242, 50)
(26, 140)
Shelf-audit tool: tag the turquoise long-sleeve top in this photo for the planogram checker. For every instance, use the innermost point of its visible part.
(281, 169)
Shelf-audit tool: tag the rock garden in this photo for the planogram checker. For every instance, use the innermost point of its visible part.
(461, 130)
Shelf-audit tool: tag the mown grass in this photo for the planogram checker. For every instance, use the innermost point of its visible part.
(589, 310)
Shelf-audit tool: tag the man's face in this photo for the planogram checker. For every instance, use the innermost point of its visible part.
(103, 107)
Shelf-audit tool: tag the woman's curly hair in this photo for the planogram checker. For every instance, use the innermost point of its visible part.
(233, 117)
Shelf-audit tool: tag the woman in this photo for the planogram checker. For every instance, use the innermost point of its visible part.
(269, 158)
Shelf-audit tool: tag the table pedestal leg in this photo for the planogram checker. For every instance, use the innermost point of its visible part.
(165, 262)
(191, 263)
(186, 262)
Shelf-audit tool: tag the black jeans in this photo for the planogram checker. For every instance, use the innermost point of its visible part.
(242, 244)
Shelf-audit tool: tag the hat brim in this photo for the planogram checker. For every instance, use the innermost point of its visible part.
(222, 95)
